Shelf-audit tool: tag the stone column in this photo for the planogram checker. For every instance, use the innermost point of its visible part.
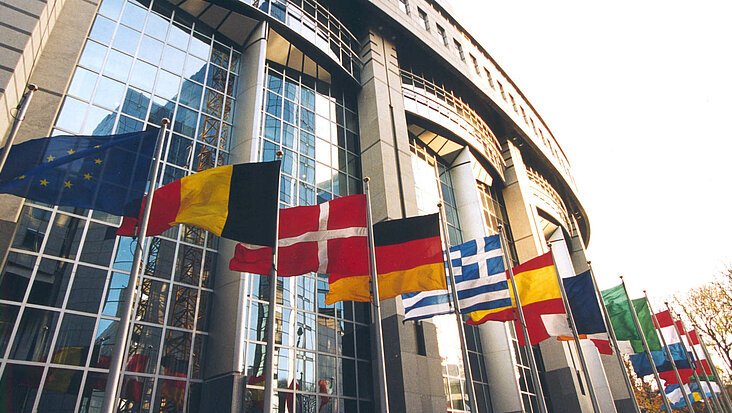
(413, 364)
(224, 375)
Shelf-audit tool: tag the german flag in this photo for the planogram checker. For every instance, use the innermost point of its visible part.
(408, 259)
(238, 202)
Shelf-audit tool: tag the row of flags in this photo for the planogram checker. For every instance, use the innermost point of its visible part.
(658, 344)
(239, 202)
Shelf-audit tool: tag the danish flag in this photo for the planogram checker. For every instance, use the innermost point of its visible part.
(327, 238)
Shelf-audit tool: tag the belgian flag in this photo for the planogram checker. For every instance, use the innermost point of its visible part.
(409, 258)
(237, 202)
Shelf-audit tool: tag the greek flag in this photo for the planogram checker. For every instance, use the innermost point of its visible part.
(480, 278)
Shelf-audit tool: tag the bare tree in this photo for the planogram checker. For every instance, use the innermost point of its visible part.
(709, 308)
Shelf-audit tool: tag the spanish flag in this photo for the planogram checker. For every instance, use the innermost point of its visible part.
(541, 301)
(409, 258)
(238, 202)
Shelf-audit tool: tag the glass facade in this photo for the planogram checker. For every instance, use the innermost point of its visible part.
(67, 272)
(323, 352)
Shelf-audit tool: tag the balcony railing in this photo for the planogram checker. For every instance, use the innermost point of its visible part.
(316, 24)
(434, 102)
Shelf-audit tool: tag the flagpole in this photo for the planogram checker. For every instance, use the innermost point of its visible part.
(647, 350)
(707, 402)
(714, 371)
(109, 404)
(269, 381)
(522, 321)
(670, 356)
(383, 391)
(458, 315)
(614, 340)
(570, 321)
(16, 124)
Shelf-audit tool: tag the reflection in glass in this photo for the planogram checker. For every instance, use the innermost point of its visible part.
(19, 386)
(33, 338)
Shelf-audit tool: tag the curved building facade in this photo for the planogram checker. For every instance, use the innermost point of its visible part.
(394, 90)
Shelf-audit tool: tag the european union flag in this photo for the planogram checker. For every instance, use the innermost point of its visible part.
(106, 173)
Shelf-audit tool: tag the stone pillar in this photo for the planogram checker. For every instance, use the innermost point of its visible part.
(386, 159)
(224, 375)
(561, 365)
(42, 56)
(527, 235)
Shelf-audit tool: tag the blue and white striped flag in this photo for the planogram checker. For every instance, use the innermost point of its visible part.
(480, 278)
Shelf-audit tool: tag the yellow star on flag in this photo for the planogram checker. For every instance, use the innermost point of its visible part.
(71, 151)
(67, 184)
(21, 177)
(50, 158)
(97, 146)
(44, 182)
(87, 176)
(98, 161)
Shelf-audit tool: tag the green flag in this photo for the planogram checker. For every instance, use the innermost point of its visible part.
(618, 309)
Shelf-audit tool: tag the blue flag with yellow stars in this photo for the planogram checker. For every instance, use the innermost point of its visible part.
(106, 173)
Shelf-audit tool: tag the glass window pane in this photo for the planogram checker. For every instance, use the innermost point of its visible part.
(8, 315)
(135, 103)
(273, 104)
(93, 56)
(104, 343)
(71, 115)
(126, 40)
(143, 75)
(180, 150)
(51, 281)
(170, 396)
(118, 65)
(179, 37)
(195, 69)
(98, 122)
(82, 83)
(185, 121)
(134, 16)
(93, 393)
(137, 390)
(190, 94)
(216, 78)
(182, 307)
(109, 93)
(15, 396)
(111, 8)
(74, 337)
(86, 291)
(150, 50)
(115, 294)
(98, 244)
(143, 350)
(173, 60)
(157, 26)
(153, 300)
(272, 128)
(176, 352)
(200, 46)
(167, 85)
(33, 339)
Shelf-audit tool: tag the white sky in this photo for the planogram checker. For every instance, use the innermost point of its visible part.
(639, 96)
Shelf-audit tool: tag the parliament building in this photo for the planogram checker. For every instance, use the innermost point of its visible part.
(394, 90)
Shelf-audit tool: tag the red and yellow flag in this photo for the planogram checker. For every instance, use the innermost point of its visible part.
(541, 301)
(408, 259)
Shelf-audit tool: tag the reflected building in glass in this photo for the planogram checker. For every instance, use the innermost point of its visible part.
(396, 90)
